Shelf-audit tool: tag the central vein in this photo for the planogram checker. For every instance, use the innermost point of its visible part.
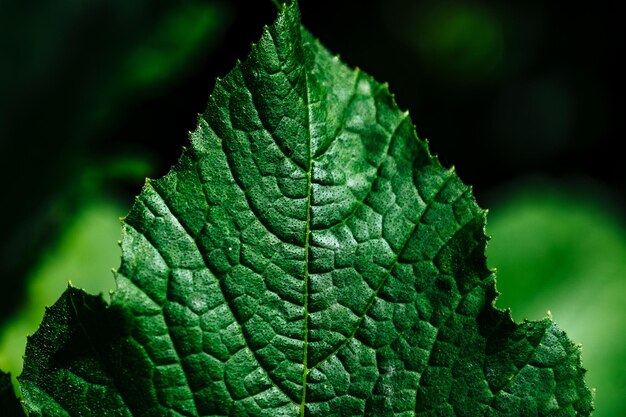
(306, 249)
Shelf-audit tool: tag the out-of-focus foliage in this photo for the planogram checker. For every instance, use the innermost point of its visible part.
(84, 252)
(564, 249)
(69, 70)
(440, 36)
(84, 255)
(108, 48)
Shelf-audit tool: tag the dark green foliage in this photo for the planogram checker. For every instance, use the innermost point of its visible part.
(306, 256)
(9, 404)
(80, 68)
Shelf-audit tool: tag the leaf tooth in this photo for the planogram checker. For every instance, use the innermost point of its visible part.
(385, 88)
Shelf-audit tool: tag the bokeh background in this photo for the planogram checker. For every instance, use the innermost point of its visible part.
(521, 96)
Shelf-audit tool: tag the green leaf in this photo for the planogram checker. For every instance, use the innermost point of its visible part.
(306, 256)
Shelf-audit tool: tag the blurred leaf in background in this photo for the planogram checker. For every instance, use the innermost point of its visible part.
(84, 254)
(562, 248)
(460, 42)
(70, 72)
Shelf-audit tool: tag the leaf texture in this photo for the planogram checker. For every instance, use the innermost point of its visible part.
(307, 256)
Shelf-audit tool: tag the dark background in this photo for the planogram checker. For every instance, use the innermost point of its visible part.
(96, 95)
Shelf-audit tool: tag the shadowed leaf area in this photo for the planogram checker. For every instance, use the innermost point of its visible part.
(307, 256)
(8, 402)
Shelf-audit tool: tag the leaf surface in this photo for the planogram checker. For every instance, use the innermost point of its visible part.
(306, 256)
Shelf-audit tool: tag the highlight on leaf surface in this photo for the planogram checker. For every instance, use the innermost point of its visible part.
(307, 256)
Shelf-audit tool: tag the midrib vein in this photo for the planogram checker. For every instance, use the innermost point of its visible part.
(306, 241)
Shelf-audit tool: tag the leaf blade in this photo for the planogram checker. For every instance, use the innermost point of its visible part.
(308, 256)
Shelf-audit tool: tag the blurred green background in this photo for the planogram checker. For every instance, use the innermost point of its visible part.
(521, 96)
